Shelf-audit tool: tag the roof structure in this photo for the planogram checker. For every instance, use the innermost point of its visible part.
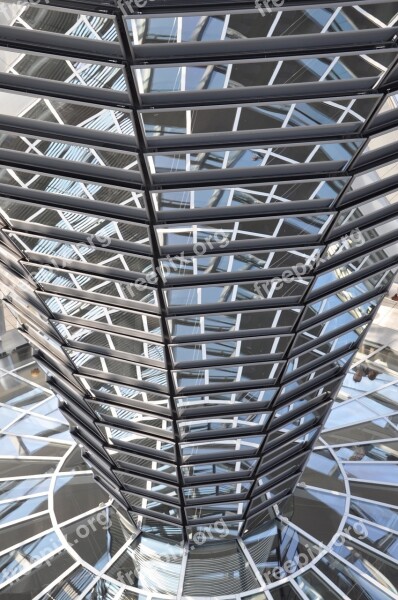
(199, 224)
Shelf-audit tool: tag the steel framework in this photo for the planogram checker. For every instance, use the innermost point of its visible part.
(198, 227)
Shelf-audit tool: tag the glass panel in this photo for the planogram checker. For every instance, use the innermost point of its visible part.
(373, 176)
(56, 279)
(357, 238)
(213, 426)
(346, 341)
(379, 429)
(324, 191)
(339, 298)
(285, 592)
(15, 391)
(331, 369)
(19, 532)
(72, 187)
(263, 72)
(230, 349)
(15, 511)
(300, 443)
(386, 473)
(217, 27)
(328, 506)
(234, 293)
(32, 425)
(285, 470)
(127, 320)
(209, 469)
(389, 104)
(108, 412)
(61, 111)
(312, 585)
(275, 491)
(377, 492)
(77, 581)
(75, 495)
(145, 503)
(44, 18)
(136, 440)
(206, 236)
(123, 393)
(207, 567)
(373, 565)
(349, 581)
(239, 488)
(146, 485)
(380, 514)
(342, 320)
(279, 550)
(11, 563)
(8, 415)
(99, 231)
(115, 366)
(130, 346)
(241, 265)
(70, 152)
(128, 460)
(354, 266)
(374, 537)
(349, 412)
(72, 71)
(253, 398)
(322, 471)
(220, 323)
(144, 558)
(227, 375)
(219, 530)
(310, 418)
(216, 511)
(252, 118)
(262, 157)
(60, 253)
(41, 576)
(215, 448)
(383, 451)
(301, 404)
(351, 215)
(16, 488)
